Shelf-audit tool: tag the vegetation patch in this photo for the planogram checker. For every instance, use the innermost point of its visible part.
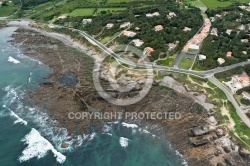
(166, 62)
(186, 63)
(83, 12)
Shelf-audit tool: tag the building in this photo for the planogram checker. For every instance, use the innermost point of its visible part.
(171, 15)
(194, 47)
(62, 17)
(147, 51)
(242, 27)
(125, 24)
(229, 31)
(172, 46)
(187, 29)
(129, 33)
(149, 15)
(86, 21)
(214, 32)
(158, 27)
(109, 25)
(152, 14)
(229, 54)
(137, 28)
(246, 95)
(244, 52)
(244, 40)
(221, 61)
(240, 81)
(155, 14)
(243, 79)
(138, 42)
(202, 57)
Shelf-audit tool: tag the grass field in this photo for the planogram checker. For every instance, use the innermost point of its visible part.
(166, 62)
(118, 1)
(196, 3)
(186, 63)
(213, 3)
(99, 10)
(82, 12)
(7, 10)
(216, 3)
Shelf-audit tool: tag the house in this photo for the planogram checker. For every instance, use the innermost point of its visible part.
(152, 14)
(214, 32)
(212, 19)
(218, 15)
(125, 24)
(187, 29)
(129, 33)
(172, 46)
(147, 51)
(243, 79)
(194, 47)
(229, 54)
(202, 57)
(86, 21)
(221, 61)
(62, 17)
(137, 42)
(109, 25)
(158, 27)
(137, 28)
(246, 95)
(171, 14)
(244, 40)
(228, 31)
(149, 15)
(244, 52)
(242, 27)
(155, 14)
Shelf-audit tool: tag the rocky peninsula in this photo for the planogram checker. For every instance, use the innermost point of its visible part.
(197, 135)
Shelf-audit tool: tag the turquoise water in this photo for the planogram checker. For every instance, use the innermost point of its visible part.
(30, 137)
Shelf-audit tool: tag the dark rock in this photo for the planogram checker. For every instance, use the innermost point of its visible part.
(226, 149)
(199, 142)
(47, 84)
(200, 130)
(220, 164)
(243, 152)
(220, 132)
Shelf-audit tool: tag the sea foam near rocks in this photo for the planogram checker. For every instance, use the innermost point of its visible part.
(38, 147)
(124, 142)
(12, 60)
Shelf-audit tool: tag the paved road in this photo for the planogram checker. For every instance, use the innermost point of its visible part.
(230, 97)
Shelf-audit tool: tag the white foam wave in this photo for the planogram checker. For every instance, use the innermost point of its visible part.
(30, 76)
(134, 126)
(38, 147)
(19, 120)
(124, 142)
(12, 60)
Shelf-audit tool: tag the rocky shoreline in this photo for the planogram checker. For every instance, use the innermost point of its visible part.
(194, 135)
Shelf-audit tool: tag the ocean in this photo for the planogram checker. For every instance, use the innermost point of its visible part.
(29, 136)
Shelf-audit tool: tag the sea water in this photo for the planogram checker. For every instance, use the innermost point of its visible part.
(29, 136)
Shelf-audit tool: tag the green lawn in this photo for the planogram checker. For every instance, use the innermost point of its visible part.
(7, 10)
(196, 3)
(82, 12)
(115, 9)
(186, 63)
(118, 1)
(166, 62)
(216, 3)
